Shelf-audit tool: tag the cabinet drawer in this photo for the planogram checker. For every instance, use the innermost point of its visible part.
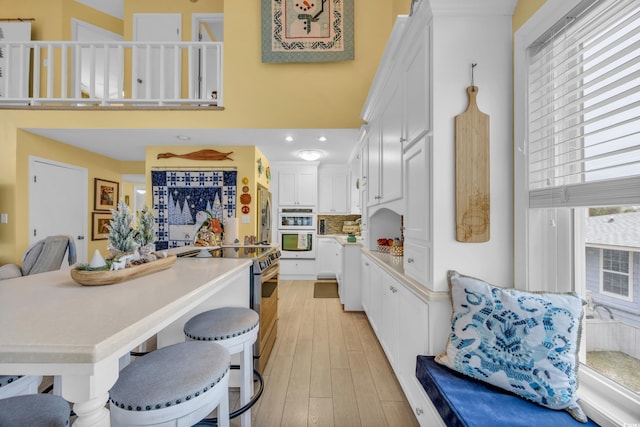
(417, 262)
(298, 267)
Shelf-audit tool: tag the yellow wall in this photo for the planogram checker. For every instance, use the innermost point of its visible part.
(257, 95)
(244, 159)
(523, 11)
(97, 167)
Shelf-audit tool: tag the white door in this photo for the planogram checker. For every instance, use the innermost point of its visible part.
(94, 80)
(155, 68)
(58, 203)
(207, 28)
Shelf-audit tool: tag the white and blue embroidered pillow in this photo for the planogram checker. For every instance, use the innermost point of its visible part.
(525, 343)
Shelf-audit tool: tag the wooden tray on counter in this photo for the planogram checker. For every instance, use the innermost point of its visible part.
(98, 278)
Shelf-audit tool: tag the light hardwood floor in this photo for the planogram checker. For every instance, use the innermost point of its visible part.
(327, 368)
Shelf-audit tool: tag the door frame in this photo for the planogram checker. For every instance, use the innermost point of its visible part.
(196, 20)
(76, 24)
(85, 199)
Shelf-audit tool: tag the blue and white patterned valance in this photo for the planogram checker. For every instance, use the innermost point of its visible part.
(178, 196)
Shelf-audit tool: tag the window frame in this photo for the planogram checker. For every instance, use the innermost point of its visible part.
(628, 274)
(604, 401)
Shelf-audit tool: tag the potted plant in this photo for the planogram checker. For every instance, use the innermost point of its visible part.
(145, 236)
(122, 238)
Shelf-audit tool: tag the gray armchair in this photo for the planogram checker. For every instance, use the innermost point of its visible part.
(45, 255)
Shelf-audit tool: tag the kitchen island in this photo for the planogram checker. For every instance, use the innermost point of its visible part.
(50, 325)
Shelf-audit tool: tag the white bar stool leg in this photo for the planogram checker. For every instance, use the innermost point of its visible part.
(246, 369)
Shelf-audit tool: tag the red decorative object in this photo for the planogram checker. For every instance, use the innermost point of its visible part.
(245, 198)
(245, 210)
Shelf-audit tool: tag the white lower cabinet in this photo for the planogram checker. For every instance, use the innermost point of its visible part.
(365, 274)
(326, 257)
(390, 318)
(349, 281)
(403, 322)
(297, 269)
(375, 298)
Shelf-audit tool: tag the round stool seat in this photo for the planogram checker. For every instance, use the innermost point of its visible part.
(221, 324)
(34, 410)
(170, 376)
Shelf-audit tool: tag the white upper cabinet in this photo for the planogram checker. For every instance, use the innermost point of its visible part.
(333, 182)
(416, 81)
(298, 186)
(385, 151)
(417, 218)
(417, 181)
(391, 146)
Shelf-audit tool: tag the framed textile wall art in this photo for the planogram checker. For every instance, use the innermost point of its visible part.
(307, 30)
(180, 199)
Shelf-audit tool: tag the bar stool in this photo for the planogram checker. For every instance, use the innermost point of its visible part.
(236, 328)
(31, 410)
(177, 385)
(17, 385)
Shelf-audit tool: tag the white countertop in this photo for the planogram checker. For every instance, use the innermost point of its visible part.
(342, 239)
(394, 266)
(49, 318)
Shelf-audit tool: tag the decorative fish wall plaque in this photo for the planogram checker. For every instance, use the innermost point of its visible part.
(199, 155)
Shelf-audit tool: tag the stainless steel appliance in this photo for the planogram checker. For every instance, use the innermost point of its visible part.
(264, 214)
(297, 243)
(296, 219)
(263, 292)
(297, 233)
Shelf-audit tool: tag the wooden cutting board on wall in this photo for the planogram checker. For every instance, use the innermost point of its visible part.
(472, 173)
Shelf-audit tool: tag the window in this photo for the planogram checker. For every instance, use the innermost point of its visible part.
(615, 273)
(577, 213)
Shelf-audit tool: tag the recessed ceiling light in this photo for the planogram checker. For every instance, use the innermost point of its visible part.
(289, 139)
(183, 137)
(322, 138)
(310, 155)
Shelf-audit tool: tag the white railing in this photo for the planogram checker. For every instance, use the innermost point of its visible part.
(612, 335)
(111, 73)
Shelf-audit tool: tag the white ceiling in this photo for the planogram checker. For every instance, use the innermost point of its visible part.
(129, 144)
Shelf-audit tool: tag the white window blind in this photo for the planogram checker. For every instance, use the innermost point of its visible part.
(584, 108)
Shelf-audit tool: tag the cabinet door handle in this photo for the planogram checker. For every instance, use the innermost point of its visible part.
(419, 411)
(410, 260)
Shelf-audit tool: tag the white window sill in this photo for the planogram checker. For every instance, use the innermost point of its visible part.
(605, 402)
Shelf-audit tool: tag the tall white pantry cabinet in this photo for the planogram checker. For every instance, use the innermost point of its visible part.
(407, 156)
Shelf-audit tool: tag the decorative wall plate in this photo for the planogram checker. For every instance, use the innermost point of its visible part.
(245, 209)
(245, 198)
(245, 189)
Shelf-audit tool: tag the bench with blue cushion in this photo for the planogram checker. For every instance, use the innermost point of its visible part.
(462, 401)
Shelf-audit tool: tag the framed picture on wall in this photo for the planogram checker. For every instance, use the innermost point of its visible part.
(105, 195)
(99, 225)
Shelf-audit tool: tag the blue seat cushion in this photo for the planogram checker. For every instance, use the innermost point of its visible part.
(462, 401)
(170, 375)
(221, 323)
(29, 410)
(8, 379)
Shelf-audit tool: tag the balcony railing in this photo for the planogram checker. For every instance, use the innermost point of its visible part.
(111, 73)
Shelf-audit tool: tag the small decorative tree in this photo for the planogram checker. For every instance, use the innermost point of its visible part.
(121, 235)
(145, 236)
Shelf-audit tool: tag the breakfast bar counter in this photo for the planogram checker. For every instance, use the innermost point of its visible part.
(50, 325)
